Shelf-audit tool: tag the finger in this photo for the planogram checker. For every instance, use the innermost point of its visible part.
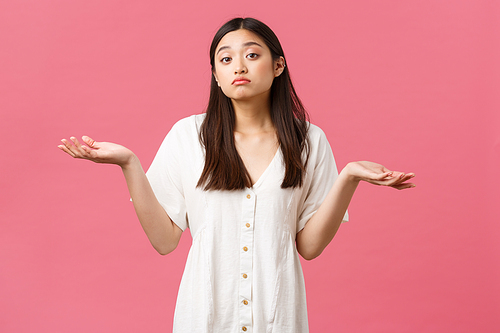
(67, 143)
(90, 142)
(76, 142)
(402, 174)
(88, 152)
(84, 151)
(404, 186)
(400, 178)
(393, 179)
(383, 176)
(75, 148)
(391, 182)
(406, 177)
(70, 148)
(66, 150)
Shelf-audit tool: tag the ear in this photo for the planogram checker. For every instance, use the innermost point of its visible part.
(216, 79)
(279, 66)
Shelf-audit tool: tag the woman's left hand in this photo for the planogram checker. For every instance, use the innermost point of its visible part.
(377, 174)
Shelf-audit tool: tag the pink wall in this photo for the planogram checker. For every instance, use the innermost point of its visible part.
(410, 84)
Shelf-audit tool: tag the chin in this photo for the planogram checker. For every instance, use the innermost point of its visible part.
(248, 95)
(241, 96)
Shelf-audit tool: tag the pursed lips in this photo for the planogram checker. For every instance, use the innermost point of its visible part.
(240, 80)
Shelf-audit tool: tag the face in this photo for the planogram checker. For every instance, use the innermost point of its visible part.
(244, 67)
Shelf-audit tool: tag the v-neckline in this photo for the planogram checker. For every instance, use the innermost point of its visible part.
(267, 170)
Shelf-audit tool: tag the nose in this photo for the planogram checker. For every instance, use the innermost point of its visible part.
(240, 68)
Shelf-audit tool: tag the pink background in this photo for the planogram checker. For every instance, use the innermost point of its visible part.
(413, 85)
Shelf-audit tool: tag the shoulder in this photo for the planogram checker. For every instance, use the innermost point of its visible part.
(319, 150)
(316, 136)
(188, 124)
(183, 135)
(315, 131)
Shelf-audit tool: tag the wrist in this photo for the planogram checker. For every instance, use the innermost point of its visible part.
(348, 172)
(131, 162)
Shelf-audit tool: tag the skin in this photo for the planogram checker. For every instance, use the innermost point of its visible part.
(241, 54)
(163, 234)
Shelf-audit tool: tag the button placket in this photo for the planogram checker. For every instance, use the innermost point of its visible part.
(246, 260)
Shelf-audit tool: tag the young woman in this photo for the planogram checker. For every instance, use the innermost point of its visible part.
(255, 183)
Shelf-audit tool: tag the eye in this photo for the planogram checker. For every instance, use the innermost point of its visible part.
(225, 60)
(252, 55)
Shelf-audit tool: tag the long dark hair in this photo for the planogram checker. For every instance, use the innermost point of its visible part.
(224, 168)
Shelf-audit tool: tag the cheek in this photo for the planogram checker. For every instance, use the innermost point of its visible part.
(266, 75)
(224, 76)
(225, 83)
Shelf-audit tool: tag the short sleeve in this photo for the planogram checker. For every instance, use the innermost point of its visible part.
(322, 173)
(165, 176)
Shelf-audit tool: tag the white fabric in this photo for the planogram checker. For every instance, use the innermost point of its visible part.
(243, 269)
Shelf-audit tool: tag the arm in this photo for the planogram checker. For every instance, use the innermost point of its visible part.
(323, 225)
(163, 234)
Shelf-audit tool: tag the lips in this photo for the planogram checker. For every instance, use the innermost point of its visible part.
(240, 80)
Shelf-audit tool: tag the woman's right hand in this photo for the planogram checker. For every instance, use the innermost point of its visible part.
(99, 152)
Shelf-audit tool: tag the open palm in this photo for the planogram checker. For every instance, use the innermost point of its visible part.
(99, 152)
(377, 174)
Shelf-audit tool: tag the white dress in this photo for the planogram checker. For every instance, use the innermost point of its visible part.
(243, 272)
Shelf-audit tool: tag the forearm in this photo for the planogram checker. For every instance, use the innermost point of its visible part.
(163, 234)
(322, 227)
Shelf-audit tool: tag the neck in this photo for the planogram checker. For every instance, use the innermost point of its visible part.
(252, 116)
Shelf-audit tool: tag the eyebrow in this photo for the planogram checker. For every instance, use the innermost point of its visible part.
(247, 44)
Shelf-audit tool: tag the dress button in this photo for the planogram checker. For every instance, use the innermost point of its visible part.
(245, 302)
(245, 276)
(248, 196)
(248, 225)
(245, 248)
(244, 329)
